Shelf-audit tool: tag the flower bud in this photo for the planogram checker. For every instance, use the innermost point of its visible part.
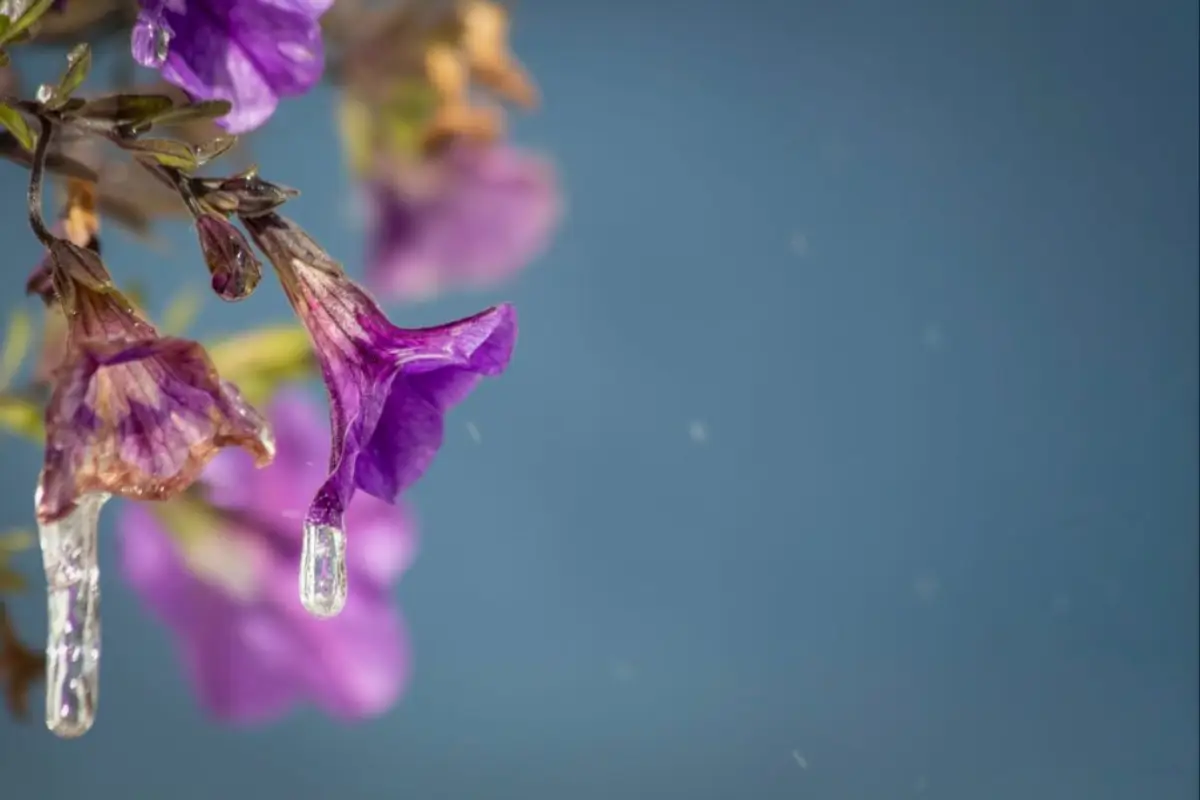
(235, 270)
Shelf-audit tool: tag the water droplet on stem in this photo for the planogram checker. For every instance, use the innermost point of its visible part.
(323, 586)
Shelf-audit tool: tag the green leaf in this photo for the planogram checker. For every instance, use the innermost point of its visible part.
(14, 542)
(355, 126)
(135, 293)
(127, 107)
(167, 152)
(79, 63)
(181, 312)
(11, 581)
(17, 126)
(16, 346)
(22, 416)
(5, 24)
(260, 362)
(33, 12)
(193, 112)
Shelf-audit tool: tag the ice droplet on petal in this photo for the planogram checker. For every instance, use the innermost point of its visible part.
(323, 586)
(73, 617)
(162, 43)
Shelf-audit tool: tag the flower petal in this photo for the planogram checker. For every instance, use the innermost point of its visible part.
(249, 52)
(410, 428)
(141, 420)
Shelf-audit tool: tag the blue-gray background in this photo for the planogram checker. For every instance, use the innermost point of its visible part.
(850, 450)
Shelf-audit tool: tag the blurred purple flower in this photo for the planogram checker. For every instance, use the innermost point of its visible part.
(222, 576)
(249, 52)
(469, 217)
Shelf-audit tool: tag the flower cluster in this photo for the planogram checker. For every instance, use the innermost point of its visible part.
(230, 502)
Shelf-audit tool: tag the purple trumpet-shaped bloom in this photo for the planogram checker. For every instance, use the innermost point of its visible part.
(389, 389)
(470, 217)
(131, 413)
(219, 570)
(249, 52)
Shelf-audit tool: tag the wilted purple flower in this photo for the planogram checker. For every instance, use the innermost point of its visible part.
(389, 389)
(469, 217)
(220, 572)
(130, 413)
(249, 52)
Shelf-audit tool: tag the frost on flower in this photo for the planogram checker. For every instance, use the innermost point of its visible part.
(249, 52)
(131, 413)
(389, 389)
(218, 568)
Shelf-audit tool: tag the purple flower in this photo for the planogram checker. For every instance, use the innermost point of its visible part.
(249, 52)
(130, 413)
(471, 216)
(220, 573)
(389, 389)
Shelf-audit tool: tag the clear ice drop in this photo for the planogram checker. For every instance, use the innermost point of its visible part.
(73, 605)
(323, 570)
(162, 43)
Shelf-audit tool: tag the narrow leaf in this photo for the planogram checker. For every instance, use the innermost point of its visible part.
(11, 118)
(16, 346)
(22, 416)
(260, 362)
(181, 312)
(11, 581)
(167, 152)
(33, 12)
(192, 112)
(79, 63)
(127, 107)
(14, 542)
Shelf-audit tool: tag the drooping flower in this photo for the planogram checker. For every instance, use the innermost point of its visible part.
(249, 52)
(389, 389)
(218, 569)
(466, 218)
(131, 413)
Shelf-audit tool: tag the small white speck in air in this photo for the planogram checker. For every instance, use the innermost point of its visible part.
(926, 587)
(1061, 604)
(800, 760)
(473, 432)
(623, 671)
(933, 337)
(698, 432)
(799, 244)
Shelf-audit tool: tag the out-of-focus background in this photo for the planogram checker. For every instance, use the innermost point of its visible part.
(849, 450)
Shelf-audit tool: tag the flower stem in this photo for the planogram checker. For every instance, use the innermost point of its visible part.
(36, 221)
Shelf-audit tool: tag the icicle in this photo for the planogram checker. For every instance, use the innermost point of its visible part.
(73, 597)
(323, 570)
